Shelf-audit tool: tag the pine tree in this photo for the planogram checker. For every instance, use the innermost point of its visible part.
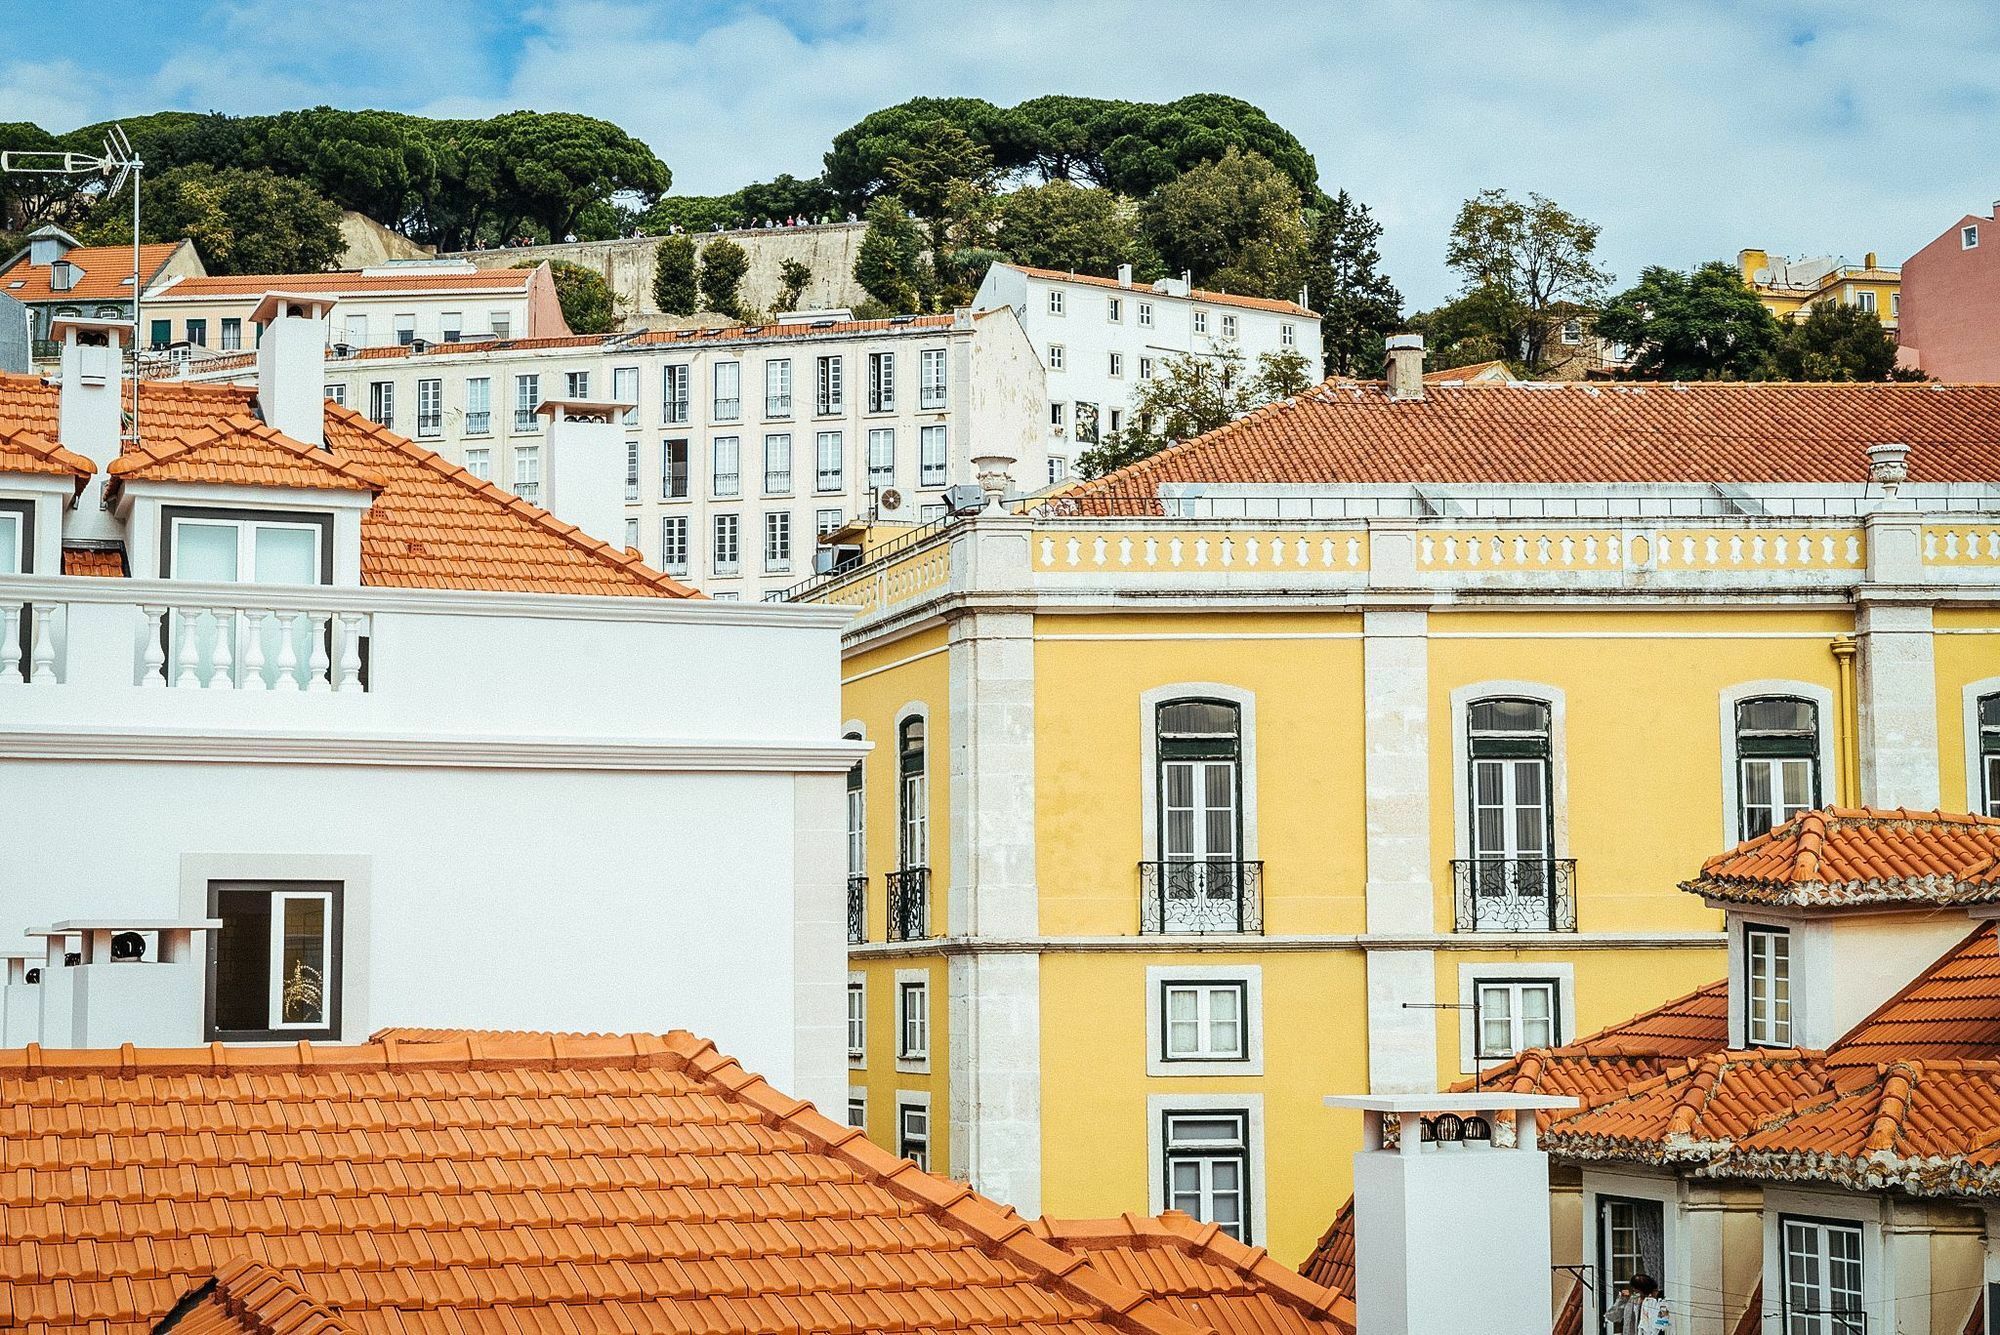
(1358, 305)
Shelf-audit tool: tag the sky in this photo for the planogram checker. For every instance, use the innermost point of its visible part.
(1687, 130)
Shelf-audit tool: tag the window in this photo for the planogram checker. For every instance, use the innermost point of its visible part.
(357, 331)
(1114, 310)
(1146, 315)
(430, 407)
(930, 379)
(1058, 468)
(1201, 322)
(777, 464)
(913, 1021)
(1515, 1016)
(501, 323)
(1288, 335)
(406, 330)
(163, 333)
(1058, 415)
(1777, 757)
(1207, 1167)
(857, 1018)
(1968, 238)
(1631, 1240)
(274, 967)
(857, 1108)
(527, 398)
(218, 547)
(1896, 309)
(726, 473)
(932, 456)
(337, 394)
(1512, 820)
(1117, 420)
(1055, 301)
(832, 396)
(232, 333)
(382, 402)
(451, 324)
(1572, 332)
(1767, 996)
(778, 387)
(674, 544)
(528, 472)
(728, 400)
(828, 451)
(1822, 1275)
(825, 522)
(1229, 326)
(931, 512)
(913, 1133)
(728, 556)
(777, 541)
(632, 533)
(1117, 365)
(478, 406)
(674, 395)
(625, 389)
(674, 469)
(881, 382)
(17, 521)
(576, 384)
(913, 844)
(1056, 356)
(198, 333)
(479, 463)
(1199, 745)
(632, 470)
(1989, 754)
(882, 457)
(1203, 1021)
(1865, 300)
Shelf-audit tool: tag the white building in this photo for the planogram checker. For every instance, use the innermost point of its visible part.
(1099, 338)
(351, 739)
(741, 444)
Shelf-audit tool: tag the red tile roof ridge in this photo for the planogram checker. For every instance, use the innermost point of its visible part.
(553, 1051)
(1209, 295)
(1179, 1230)
(1901, 994)
(141, 457)
(40, 449)
(248, 1296)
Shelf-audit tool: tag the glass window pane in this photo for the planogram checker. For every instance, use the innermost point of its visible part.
(10, 543)
(1201, 718)
(286, 555)
(205, 552)
(1519, 716)
(1776, 714)
(302, 971)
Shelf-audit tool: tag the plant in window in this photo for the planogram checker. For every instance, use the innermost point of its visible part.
(303, 996)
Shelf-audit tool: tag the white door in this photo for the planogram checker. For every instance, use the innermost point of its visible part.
(1510, 842)
(1822, 1278)
(1200, 886)
(230, 551)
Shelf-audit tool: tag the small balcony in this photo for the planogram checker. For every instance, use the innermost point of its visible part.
(857, 910)
(1513, 894)
(479, 423)
(1196, 898)
(909, 904)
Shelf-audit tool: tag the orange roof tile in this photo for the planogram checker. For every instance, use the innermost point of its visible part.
(1694, 1110)
(1951, 1009)
(26, 451)
(239, 450)
(106, 561)
(343, 280)
(1477, 372)
(1844, 856)
(537, 1183)
(106, 273)
(1346, 432)
(1201, 294)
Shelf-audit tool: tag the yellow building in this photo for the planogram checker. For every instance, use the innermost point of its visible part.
(1789, 287)
(1216, 786)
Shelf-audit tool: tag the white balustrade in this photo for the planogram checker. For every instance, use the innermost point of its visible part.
(10, 646)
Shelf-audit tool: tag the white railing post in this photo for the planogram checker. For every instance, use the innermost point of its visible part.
(44, 649)
(10, 645)
(153, 626)
(318, 663)
(288, 653)
(222, 671)
(253, 650)
(350, 651)
(185, 653)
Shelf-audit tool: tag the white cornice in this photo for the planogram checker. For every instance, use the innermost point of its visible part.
(1235, 944)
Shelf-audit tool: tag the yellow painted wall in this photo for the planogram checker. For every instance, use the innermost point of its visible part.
(879, 1075)
(1962, 659)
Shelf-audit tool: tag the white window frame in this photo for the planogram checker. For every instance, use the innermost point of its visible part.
(715, 469)
(918, 1101)
(1968, 237)
(668, 526)
(479, 405)
(337, 393)
(1732, 764)
(279, 893)
(576, 384)
(1117, 366)
(527, 398)
(1058, 469)
(1249, 978)
(827, 520)
(1058, 303)
(933, 472)
(1251, 1104)
(1759, 940)
(1145, 368)
(778, 481)
(733, 564)
(777, 541)
(479, 463)
(1114, 311)
(676, 394)
(527, 472)
(1462, 700)
(1201, 322)
(726, 407)
(1229, 325)
(430, 421)
(857, 1101)
(1057, 356)
(1471, 976)
(882, 381)
(625, 388)
(778, 387)
(1149, 758)
(382, 403)
(821, 441)
(1816, 1224)
(913, 982)
(830, 386)
(632, 532)
(1977, 784)
(881, 465)
(1288, 335)
(857, 1023)
(1146, 314)
(933, 388)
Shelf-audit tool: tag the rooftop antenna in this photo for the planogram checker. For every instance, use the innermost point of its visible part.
(117, 164)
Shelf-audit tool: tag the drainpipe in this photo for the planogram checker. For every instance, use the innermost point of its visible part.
(1848, 734)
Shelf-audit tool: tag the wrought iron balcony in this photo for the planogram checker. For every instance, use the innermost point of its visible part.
(1514, 894)
(1195, 897)
(857, 910)
(909, 903)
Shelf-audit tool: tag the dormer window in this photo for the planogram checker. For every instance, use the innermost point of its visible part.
(1777, 754)
(62, 276)
(1767, 987)
(245, 547)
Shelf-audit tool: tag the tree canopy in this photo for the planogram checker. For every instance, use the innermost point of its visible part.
(723, 264)
(1519, 259)
(242, 221)
(585, 297)
(1190, 395)
(1063, 225)
(1701, 325)
(674, 286)
(1234, 223)
(1359, 307)
(1838, 342)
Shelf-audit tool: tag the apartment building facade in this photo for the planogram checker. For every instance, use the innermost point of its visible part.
(1952, 287)
(742, 445)
(1789, 288)
(57, 277)
(1099, 339)
(1233, 785)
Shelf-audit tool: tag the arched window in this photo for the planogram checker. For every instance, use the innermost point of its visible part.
(1507, 742)
(1200, 745)
(1777, 759)
(913, 794)
(1989, 754)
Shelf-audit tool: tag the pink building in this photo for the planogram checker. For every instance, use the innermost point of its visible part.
(1951, 303)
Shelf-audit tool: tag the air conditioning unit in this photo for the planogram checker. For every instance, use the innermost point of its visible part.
(889, 501)
(965, 499)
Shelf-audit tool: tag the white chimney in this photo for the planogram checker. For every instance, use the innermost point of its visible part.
(90, 416)
(104, 982)
(1406, 367)
(291, 364)
(1124, 275)
(1450, 1215)
(583, 466)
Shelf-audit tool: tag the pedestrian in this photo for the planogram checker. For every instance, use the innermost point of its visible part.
(1638, 1309)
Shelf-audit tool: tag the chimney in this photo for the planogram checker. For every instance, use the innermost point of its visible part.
(1868, 260)
(91, 416)
(291, 364)
(1450, 1211)
(1124, 275)
(1406, 367)
(583, 466)
(105, 982)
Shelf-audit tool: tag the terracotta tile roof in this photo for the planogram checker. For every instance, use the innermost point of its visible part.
(1569, 1317)
(1951, 1009)
(249, 1298)
(1695, 1110)
(536, 1184)
(105, 561)
(1476, 373)
(432, 525)
(1843, 856)
(23, 450)
(1200, 294)
(106, 273)
(1331, 1264)
(239, 450)
(343, 281)
(1347, 432)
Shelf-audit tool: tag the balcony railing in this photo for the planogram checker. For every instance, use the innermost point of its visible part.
(909, 904)
(1194, 897)
(1514, 894)
(479, 423)
(857, 910)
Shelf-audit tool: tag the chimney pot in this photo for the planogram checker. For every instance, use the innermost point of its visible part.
(1124, 275)
(291, 364)
(1406, 367)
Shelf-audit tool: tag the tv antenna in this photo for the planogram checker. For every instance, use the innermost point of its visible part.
(117, 164)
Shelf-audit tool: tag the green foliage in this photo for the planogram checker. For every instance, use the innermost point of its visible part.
(1359, 307)
(1703, 325)
(544, 167)
(1066, 226)
(242, 221)
(691, 213)
(857, 166)
(1144, 145)
(1838, 342)
(870, 309)
(674, 289)
(1234, 223)
(27, 198)
(1189, 395)
(890, 264)
(784, 197)
(723, 264)
(793, 276)
(587, 306)
(1523, 258)
(374, 162)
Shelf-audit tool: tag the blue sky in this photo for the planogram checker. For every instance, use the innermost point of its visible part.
(1688, 130)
